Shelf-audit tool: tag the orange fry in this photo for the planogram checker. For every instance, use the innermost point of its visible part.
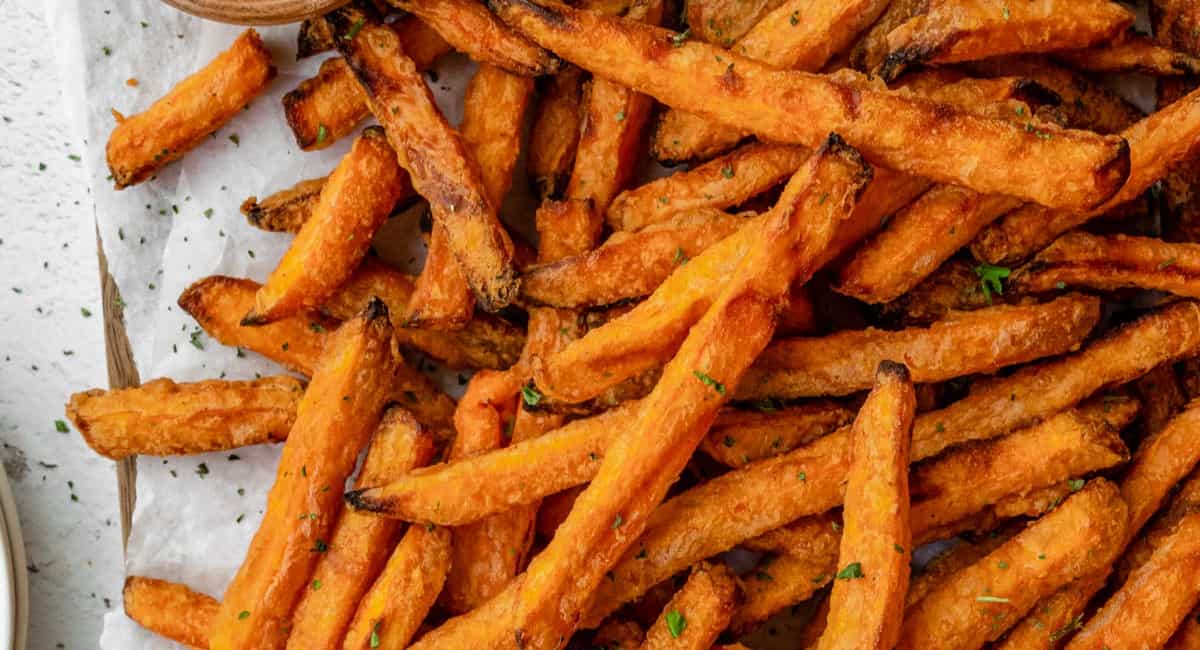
(1079, 259)
(697, 613)
(1134, 54)
(170, 610)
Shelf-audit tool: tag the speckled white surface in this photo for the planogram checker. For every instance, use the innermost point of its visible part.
(48, 348)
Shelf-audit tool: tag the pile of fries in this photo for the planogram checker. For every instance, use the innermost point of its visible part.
(920, 277)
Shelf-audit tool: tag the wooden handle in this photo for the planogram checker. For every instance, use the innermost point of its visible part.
(256, 12)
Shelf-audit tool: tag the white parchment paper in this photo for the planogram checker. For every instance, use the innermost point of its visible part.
(195, 516)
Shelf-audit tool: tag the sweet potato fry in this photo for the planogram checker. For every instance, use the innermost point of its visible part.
(555, 133)
(840, 364)
(1176, 24)
(805, 562)
(394, 607)
(1184, 502)
(218, 303)
(170, 610)
(485, 341)
(1156, 143)
(493, 112)
(163, 418)
(872, 48)
(313, 38)
(435, 155)
(867, 602)
(610, 140)
(341, 407)
(738, 437)
(953, 287)
(354, 203)
(945, 565)
(951, 32)
(142, 144)
(1079, 259)
(1134, 54)
(1088, 168)
(698, 612)
(1162, 461)
(285, 210)
(1187, 635)
(917, 240)
(360, 544)
(722, 22)
(1154, 601)
(722, 183)
(1054, 618)
(982, 601)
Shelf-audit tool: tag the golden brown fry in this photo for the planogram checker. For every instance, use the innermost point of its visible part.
(285, 210)
(945, 565)
(354, 203)
(628, 265)
(610, 142)
(871, 50)
(218, 304)
(472, 30)
(1161, 461)
(738, 437)
(341, 408)
(722, 22)
(1156, 143)
(1161, 396)
(555, 133)
(982, 601)
(841, 363)
(802, 560)
(486, 341)
(163, 418)
(954, 287)
(394, 607)
(360, 544)
(1187, 636)
(698, 613)
(142, 144)
(170, 610)
(1176, 24)
(951, 32)
(1154, 601)
(867, 602)
(1008, 159)
(437, 158)
(1055, 617)
(917, 240)
(1184, 502)
(1080, 259)
(1132, 54)
(722, 183)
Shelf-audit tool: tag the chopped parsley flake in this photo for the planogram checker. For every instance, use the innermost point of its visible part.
(676, 623)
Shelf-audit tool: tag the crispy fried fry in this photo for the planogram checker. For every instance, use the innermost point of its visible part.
(170, 609)
(1079, 259)
(738, 437)
(867, 602)
(950, 32)
(945, 565)
(841, 363)
(722, 22)
(980, 602)
(435, 155)
(471, 29)
(870, 50)
(1176, 24)
(555, 133)
(803, 559)
(354, 203)
(1156, 143)
(1185, 502)
(722, 183)
(360, 544)
(1088, 168)
(954, 287)
(285, 210)
(1187, 636)
(1155, 599)
(142, 144)
(313, 38)
(341, 407)
(610, 140)
(1133, 54)
(1054, 618)
(163, 418)
(697, 613)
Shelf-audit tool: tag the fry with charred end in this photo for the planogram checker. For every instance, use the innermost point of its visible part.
(738, 91)
(163, 418)
(360, 544)
(438, 160)
(393, 609)
(982, 601)
(738, 436)
(917, 240)
(340, 409)
(698, 613)
(840, 364)
(1156, 144)
(313, 37)
(804, 562)
(547, 601)
(867, 602)
(1079, 259)
(285, 210)
(554, 136)
(1133, 54)
(170, 610)
(951, 32)
(218, 303)
(722, 183)
(472, 30)
(872, 48)
(1154, 600)
(142, 144)
(354, 203)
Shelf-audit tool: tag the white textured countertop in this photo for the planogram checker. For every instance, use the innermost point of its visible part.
(48, 348)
